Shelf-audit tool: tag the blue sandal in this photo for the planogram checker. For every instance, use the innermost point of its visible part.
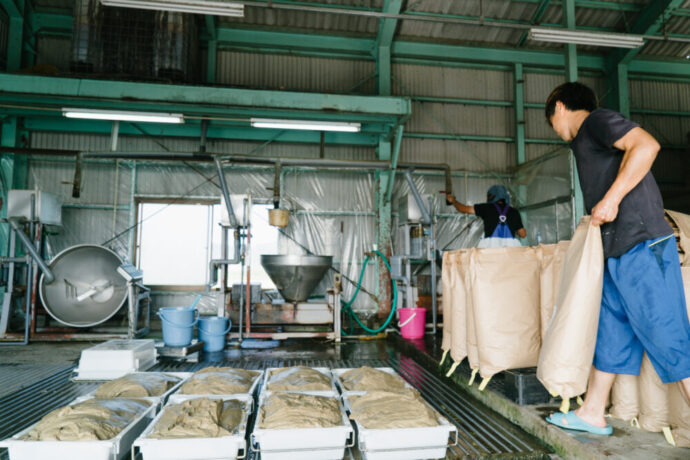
(571, 421)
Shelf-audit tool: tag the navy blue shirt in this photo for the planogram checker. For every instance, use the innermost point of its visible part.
(641, 212)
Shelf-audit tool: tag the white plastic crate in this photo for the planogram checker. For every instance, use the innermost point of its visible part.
(324, 370)
(251, 391)
(337, 373)
(112, 449)
(302, 443)
(115, 358)
(158, 401)
(403, 443)
(226, 447)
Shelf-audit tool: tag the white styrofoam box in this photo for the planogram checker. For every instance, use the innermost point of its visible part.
(158, 401)
(337, 373)
(302, 443)
(252, 389)
(115, 358)
(225, 447)
(403, 443)
(324, 370)
(112, 449)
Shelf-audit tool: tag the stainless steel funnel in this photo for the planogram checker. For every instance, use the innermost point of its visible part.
(296, 276)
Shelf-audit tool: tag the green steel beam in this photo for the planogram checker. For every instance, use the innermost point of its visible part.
(536, 19)
(13, 170)
(13, 10)
(494, 55)
(53, 23)
(212, 49)
(384, 39)
(594, 4)
(75, 89)
(383, 226)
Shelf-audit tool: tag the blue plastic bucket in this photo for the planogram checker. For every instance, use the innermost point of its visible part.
(178, 325)
(212, 330)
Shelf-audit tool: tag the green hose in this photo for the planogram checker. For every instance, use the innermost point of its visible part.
(348, 305)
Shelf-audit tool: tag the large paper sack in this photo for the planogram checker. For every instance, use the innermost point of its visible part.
(679, 413)
(625, 396)
(681, 222)
(447, 301)
(458, 342)
(505, 287)
(653, 399)
(551, 257)
(568, 347)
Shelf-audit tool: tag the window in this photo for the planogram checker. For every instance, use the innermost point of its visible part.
(177, 241)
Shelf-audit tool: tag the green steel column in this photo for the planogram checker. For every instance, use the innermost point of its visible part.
(10, 177)
(15, 42)
(212, 50)
(382, 50)
(571, 75)
(383, 229)
(622, 89)
(520, 155)
(570, 49)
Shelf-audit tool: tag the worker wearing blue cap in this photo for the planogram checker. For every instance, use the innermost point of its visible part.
(502, 223)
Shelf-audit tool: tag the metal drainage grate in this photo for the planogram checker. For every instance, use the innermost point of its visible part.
(482, 433)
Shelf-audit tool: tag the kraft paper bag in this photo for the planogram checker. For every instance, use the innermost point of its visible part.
(551, 257)
(458, 342)
(654, 396)
(505, 287)
(679, 413)
(682, 221)
(447, 302)
(625, 396)
(567, 350)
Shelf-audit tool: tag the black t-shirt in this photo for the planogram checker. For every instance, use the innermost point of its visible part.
(641, 212)
(489, 214)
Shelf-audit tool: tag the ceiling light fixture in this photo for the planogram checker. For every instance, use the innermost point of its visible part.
(117, 115)
(218, 8)
(306, 125)
(579, 37)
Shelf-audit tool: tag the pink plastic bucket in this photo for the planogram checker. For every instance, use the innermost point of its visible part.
(412, 322)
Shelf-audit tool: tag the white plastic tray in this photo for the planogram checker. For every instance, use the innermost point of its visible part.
(158, 401)
(403, 443)
(251, 391)
(324, 370)
(302, 443)
(112, 449)
(226, 447)
(337, 373)
(115, 358)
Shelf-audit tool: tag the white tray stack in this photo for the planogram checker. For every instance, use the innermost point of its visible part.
(158, 401)
(115, 358)
(302, 443)
(116, 448)
(225, 447)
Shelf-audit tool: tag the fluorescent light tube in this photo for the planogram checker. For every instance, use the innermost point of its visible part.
(306, 125)
(116, 115)
(579, 37)
(217, 8)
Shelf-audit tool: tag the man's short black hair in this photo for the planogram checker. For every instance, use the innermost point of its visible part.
(574, 95)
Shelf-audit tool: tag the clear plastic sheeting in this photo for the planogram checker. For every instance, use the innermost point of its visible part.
(333, 213)
(545, 186)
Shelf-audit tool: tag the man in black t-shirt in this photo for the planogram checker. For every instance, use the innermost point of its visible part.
(643, 304)
(502, 223)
